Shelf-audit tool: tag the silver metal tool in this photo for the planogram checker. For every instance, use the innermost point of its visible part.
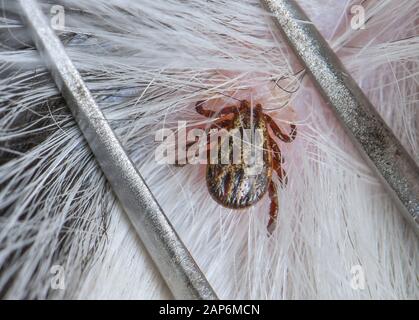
(371, 135)
(176, 265)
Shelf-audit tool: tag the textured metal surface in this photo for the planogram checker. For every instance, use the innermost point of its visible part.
(173, 260)
(371, 135)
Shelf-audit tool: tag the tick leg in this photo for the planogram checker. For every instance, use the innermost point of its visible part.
(277, 162)
(211, 114)
(273, 210)
(276, 151)
(223, 122)
(277, 131)
(229, 110)
(282, 175)
(205, 112)
(188, 145)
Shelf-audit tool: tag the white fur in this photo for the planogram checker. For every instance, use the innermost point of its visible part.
(147, 63)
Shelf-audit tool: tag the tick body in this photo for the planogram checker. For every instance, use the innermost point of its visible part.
(232, 185)
(235, 185)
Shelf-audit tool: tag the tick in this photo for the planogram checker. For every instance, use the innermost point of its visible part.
(230, 184)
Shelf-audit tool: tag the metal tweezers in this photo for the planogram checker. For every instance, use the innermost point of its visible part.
(373, 138)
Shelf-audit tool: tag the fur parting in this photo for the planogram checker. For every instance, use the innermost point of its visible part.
(147, 64)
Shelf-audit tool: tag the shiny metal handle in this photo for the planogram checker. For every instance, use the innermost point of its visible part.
(173, 260)
(371, 135)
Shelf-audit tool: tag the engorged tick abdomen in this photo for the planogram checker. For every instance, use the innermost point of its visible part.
(232, 188)
(237, 185)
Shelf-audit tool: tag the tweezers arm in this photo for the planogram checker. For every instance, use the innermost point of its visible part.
(173, 260)
(371, 135)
